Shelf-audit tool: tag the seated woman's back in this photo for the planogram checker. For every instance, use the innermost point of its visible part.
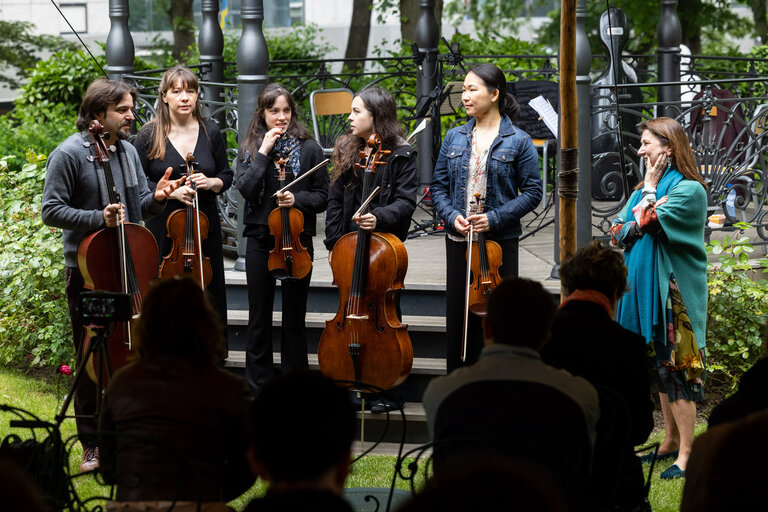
(175, 424)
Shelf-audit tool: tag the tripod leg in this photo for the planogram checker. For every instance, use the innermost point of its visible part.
(96, 346)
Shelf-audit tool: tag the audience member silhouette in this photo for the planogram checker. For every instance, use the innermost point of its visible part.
(726, 467)
(587, 342)
(302, 426)
(487, 486)
(175, 423)
(510, 404)
(18, 490)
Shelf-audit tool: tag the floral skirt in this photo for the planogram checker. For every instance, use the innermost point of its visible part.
(680, 363)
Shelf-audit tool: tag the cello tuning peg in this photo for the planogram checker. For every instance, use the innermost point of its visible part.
(90, 158)
(112, 148)
(86, 144)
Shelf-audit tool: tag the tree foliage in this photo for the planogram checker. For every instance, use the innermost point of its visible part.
(19, 49)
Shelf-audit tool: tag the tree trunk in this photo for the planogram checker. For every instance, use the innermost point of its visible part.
(183, 26)
(359, 32)
(759, 15)
(409, 18)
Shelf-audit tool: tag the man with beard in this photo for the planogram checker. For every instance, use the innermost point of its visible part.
(75, 199)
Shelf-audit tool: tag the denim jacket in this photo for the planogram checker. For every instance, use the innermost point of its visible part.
(514, 183)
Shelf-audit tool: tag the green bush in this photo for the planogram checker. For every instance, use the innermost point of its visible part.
(62, 79)
(31, 127)
(737, 309)
(34, 320)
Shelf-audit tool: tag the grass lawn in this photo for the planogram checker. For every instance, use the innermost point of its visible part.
(44, 397)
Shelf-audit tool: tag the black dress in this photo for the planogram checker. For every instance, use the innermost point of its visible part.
(211, 153)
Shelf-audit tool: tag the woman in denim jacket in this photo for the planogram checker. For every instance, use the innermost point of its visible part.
(491, 156)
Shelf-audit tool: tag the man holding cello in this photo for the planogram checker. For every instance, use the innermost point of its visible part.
(75, 199)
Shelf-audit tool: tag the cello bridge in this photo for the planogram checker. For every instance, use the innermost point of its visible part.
(357, 317)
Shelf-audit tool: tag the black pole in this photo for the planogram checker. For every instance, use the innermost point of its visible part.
(211, 44)
(119, 49)
(427, 38)
(583, 81)
(252, 65)
(670, 35)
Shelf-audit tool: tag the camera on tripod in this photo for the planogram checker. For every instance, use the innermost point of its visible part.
(104, 308)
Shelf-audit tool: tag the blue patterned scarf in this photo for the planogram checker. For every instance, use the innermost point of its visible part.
(289, 148)
(640, 309)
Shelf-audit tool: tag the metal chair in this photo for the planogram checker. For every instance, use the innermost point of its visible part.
(330, 108)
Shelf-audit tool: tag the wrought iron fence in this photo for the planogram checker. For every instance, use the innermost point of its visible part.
(727, 133)
(738, 169)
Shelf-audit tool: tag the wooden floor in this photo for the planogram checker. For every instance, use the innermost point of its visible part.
(426, 258)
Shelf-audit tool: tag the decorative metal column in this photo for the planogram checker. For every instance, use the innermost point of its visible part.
(670, 35)
(583, 81)
(119, 49)
(211, 44)
(427, 81)
(252, 65)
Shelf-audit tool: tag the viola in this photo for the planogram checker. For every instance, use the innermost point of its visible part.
(366, 343)
(187, 228)
(289, 259)
(121, 259)
(483, 262)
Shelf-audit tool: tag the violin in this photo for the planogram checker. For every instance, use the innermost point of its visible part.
(365, 343)
(121, 259)
(289, 259)
(483, 262)
(187, 228)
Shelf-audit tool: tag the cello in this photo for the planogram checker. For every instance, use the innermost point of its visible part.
(187, 228)
(121, 259)
(483, 262)
(289, 259)
(365, 343)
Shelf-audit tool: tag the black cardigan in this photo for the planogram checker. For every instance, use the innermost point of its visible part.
(393, 208)
(257, 181)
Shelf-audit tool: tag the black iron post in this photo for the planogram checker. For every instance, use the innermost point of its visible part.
(119, 49)
(583, 81)
(670, 35)
(252, 65)
(211, 44)
(427, 83)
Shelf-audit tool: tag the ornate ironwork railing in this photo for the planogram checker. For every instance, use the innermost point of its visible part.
(740, 169)
(727, 133)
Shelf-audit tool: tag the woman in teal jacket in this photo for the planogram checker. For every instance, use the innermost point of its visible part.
(662, 232)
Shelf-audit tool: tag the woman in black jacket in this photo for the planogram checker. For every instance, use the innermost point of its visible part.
(373, 111)
(276, 132)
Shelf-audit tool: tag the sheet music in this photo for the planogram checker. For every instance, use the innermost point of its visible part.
(547, 113)
(423, 124)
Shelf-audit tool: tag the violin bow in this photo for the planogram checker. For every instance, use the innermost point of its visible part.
(299, 178)
(196, 206)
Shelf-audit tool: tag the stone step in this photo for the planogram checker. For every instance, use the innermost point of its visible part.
(422, 323)
(375, 427)
(421, 365)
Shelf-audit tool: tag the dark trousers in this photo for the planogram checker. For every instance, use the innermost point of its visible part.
(261, 295)
(87, 391)
(455, 294)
